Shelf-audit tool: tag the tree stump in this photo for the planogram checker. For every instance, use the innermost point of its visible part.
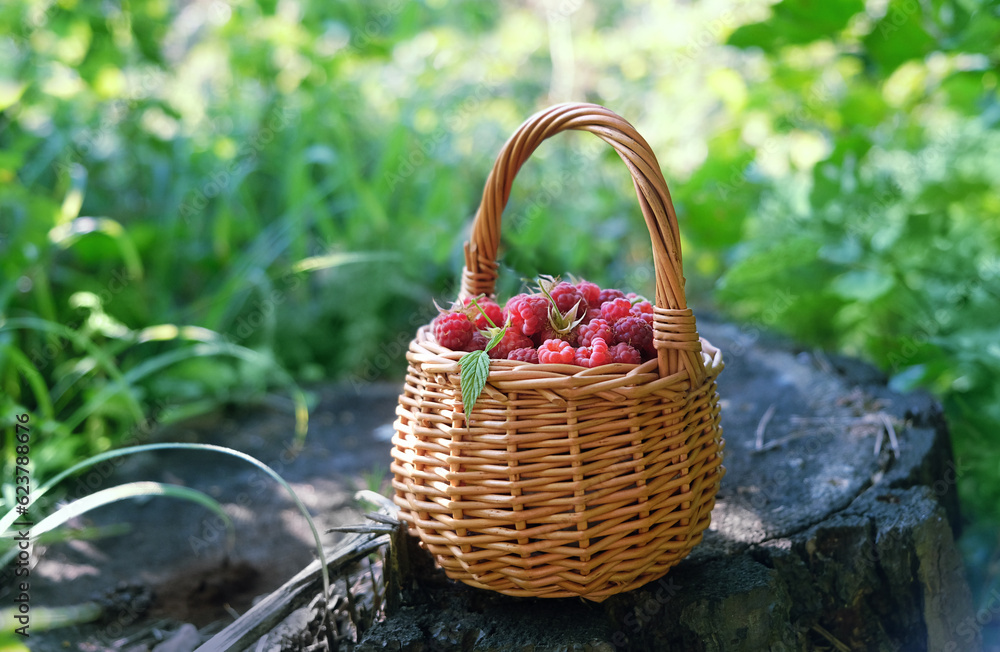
(833, 530)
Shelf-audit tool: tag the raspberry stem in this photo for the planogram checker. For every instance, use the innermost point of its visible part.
(480, 308)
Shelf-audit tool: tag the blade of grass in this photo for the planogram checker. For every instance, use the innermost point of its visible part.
(35, 380)
(66, 234)
(83, 342)
(44, 618)
(123, 492)
(208, 337)
(327, 261)
(42, 489)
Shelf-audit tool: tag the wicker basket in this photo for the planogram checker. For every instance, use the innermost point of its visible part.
(564, 481)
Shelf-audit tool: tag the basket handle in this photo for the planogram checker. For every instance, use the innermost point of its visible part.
(675, 335)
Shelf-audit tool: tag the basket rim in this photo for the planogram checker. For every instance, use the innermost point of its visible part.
(439, 359)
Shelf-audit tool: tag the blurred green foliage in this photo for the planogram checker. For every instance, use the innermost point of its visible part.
(206, 202)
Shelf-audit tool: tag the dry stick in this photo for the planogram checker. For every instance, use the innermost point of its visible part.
(352, 609)
(376, 598)
(893, 442)
(831, 638)
(758, 443)
(879, 418)
(267, 613)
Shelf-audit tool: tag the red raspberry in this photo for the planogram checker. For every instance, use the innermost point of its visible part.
(609, 294)
(490, 307)
(600, 354)
(596, 328)
(615, 309)
(642, 306)
(556, 352)
(528, 313)
(452, 330)
(549, 333)
(566, 295)
(591, 293)
(527, 354)
(640, 310)
(593, 356)
(635, 331)
(477, 343)
(625, 353)
(591, 315)
(511, 340)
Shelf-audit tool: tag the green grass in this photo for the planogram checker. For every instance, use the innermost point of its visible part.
(227, 201)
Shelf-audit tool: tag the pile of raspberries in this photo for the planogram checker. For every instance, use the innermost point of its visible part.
(562, 323)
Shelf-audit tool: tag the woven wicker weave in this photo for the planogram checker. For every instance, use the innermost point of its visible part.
(564, 481)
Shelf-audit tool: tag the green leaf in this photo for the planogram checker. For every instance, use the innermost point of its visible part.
(475, 369)
(862, 285)
(899, 36)
(495, 336)
(797, 22)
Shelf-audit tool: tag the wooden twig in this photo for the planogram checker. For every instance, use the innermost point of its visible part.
(352, 609)
(893, 441)
(298, 591)
(758, 443)
(362, 529)
(831, 638)
(385, 519)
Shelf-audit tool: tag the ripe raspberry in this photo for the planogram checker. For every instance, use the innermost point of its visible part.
(527, 354)
(549, 333)
(566, 295)
(452, 330)
(511, 340)
(490, 307)
(600, 354)
(635, 331)
(593, 356)
(642, 306)
(643, 309)
(615, 309)
(528, 313)
(609, 294)
(591, 315)
(624, 353)
(556, 352)
(478, 342)
(591, 293)
(596, 328)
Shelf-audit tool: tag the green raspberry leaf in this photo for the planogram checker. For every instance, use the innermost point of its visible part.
(496, 334)
(475, 369)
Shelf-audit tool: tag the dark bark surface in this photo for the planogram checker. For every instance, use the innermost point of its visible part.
(818, 540)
